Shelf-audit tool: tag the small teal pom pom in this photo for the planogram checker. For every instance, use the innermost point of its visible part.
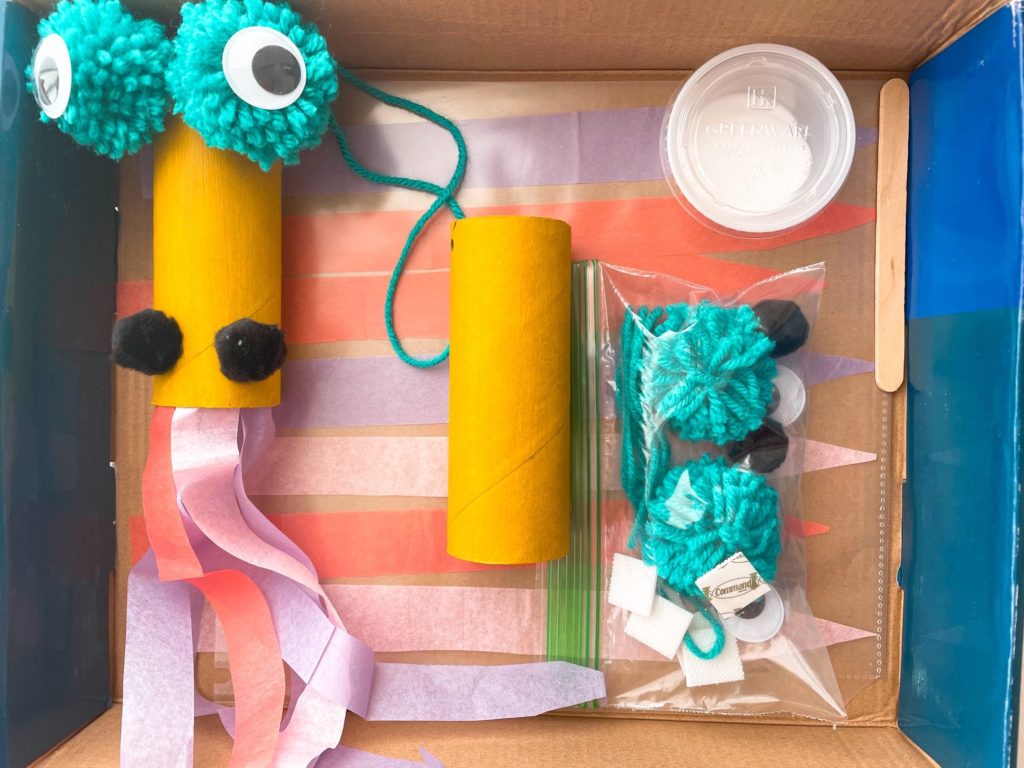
(118, 97)
(206, 101)
(702, 513)
(708, 372)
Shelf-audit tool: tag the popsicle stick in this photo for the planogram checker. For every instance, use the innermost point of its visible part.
(891, 235)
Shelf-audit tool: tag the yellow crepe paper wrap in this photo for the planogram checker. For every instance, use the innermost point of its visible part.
(216, 259)
(508, 464)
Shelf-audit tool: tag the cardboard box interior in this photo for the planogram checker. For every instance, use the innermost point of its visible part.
(586, 53)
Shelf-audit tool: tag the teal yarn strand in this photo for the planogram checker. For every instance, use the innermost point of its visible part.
(443, 197)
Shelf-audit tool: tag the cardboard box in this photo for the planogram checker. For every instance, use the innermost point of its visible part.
(957, 696)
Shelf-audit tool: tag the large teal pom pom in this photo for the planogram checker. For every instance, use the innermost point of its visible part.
(708, 371)
(118, 97)
(206, 100)
(705, 512)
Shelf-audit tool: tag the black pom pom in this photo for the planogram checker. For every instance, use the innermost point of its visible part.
(784, 323)
(148, 341)
(249, 351)
(766, 446)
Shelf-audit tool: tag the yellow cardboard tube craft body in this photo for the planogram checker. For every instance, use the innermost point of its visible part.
(251, 85)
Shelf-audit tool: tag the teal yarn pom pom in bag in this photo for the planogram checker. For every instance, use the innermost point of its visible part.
(708, 371)
(701, 514)
(99, 74)
(704, 512)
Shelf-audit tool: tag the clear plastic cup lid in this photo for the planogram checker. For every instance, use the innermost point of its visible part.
(759, 139)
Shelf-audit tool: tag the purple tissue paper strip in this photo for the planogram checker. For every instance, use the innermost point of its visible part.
(439, 692)
(158, 657)
(361, 391)
(521, 151)
(379, 391)
(346, 757)
(819, 368)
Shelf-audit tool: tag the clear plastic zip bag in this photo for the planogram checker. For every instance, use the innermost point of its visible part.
(703, 412)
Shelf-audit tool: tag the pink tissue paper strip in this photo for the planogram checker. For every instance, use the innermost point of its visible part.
(352, 466)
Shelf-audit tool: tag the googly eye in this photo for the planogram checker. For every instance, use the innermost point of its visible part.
(758, 622)
(264, 68)
(789, 397)
(51, 75)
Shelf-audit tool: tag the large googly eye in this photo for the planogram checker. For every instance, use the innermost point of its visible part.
(264, 68)
(51, 76)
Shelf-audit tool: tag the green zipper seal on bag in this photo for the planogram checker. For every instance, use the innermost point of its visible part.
(574, 582)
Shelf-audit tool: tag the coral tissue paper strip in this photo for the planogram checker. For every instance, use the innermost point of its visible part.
(650, 233)
(802, 529)
(361, 543)
(254, 657)
(175, 558)
(339, 307)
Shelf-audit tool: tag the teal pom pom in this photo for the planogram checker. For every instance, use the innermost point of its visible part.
(118, 97)
(703, 513)
(207, 102)
(708, 372)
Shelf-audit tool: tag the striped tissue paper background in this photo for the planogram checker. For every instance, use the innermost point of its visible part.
(357, 474)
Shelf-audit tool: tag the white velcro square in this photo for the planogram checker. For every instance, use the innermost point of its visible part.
(632, 585)
(726, 667)
(663, 629)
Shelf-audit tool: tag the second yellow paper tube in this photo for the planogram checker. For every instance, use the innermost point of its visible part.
(508, 476)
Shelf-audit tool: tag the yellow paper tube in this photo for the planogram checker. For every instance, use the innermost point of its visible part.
(216, 259)
(508, 462)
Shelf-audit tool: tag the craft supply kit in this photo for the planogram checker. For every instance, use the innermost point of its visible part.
(537, 385)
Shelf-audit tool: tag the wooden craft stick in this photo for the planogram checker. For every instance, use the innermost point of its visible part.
(891, 235)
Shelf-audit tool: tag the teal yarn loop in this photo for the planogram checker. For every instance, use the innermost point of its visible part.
(709, 372)
(693, 526)
(443, 197)
(118, 98)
